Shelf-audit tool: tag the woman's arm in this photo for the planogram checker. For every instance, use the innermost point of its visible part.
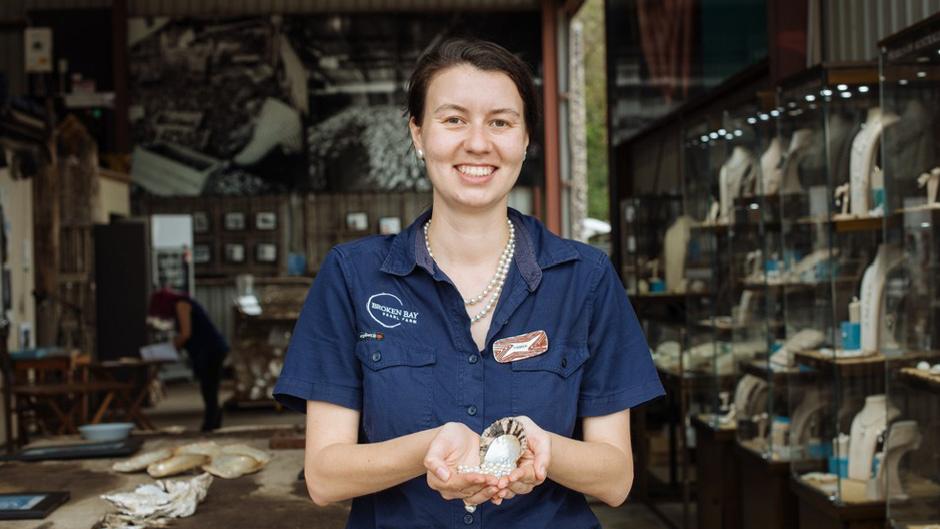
(602, 464)
(185, 318)
(337, 468)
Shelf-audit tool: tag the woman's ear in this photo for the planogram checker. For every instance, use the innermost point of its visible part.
(415, 130)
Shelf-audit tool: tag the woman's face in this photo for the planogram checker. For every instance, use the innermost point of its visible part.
(473, 136)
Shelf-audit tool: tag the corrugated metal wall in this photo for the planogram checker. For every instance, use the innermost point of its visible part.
(852, 28)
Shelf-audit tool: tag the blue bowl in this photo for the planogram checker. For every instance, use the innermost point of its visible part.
(106, 431)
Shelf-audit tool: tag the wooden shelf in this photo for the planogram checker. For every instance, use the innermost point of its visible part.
(761, 369)
(919, 379)
(850, 366)
(846, 224)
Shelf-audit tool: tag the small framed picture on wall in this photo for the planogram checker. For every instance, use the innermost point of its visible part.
(357, 221)
(265, 220)
(235, 253)
(200, 222)
(266, 253)
(234, 221)
(202, 253)
(389, 225)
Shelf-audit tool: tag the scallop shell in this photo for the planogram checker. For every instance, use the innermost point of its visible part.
(240, 449)
(142, 461)
(176, 465)
(230, 466)
(506, 438)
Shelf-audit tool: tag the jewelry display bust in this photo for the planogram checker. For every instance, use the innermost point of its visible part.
(799, 146)
(872, 295)
(730, 179)
(675, 244)
(801, 424)
(903, 437)
(770, 170)
(931, 181)
(867, 426)
(862, 159)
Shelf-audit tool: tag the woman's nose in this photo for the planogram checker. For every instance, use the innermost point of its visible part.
(477, 140)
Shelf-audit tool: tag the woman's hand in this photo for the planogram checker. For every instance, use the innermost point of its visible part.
(533, 465)
(456, 444)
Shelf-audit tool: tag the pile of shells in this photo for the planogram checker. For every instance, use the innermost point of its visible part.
(227, 462)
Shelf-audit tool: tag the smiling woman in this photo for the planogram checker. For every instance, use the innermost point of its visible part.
(472, 314)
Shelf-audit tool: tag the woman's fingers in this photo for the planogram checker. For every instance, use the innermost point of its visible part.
(483, 496)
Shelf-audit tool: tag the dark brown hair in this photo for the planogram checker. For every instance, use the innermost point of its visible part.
(481, 54)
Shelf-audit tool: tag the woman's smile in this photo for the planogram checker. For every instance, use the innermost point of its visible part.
(476, 174)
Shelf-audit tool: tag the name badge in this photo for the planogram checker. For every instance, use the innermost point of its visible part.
(520, 347)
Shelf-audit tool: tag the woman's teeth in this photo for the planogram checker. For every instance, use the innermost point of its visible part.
(475, 170)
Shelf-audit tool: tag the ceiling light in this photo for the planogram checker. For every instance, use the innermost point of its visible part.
(863, 89)
(810, 98)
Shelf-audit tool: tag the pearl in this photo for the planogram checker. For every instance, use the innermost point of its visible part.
(495, 284)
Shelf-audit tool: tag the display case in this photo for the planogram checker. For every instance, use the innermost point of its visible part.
(909, 469)
(832, 262)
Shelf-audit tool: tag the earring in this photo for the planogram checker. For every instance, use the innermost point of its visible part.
(420, 154)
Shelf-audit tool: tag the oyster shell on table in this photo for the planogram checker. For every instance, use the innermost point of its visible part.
(142, 461)
(242, 449)
(205, 448)
(230, 466)
(176, 465)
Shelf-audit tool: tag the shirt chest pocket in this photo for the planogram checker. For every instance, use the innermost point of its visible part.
(396, 388)
(546, 387)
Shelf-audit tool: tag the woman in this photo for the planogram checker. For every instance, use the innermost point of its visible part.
(204, 343)
(392, 357)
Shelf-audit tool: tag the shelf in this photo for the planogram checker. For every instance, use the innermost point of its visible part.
(846, 224)
(919, 379)
(761, 369)
(851, 366)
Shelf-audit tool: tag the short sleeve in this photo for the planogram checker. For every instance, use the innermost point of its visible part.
(321, 363)
(619, 374)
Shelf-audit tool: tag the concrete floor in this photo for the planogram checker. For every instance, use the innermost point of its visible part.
(182, 406)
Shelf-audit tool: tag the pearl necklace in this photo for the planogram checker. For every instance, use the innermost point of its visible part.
(495, 285)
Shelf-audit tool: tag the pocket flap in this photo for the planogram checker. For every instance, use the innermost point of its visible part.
(564, 361)
(378, 355)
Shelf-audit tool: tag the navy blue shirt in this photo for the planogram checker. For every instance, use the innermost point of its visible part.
(204, 337)
(384, 331)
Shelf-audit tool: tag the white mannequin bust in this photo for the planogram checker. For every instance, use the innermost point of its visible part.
(930, 181)
(771, 173)
(730, 178)
(675, 244)
(799, 143)
(862, 161)
(867, 426)
(903, 436)
(872, 295)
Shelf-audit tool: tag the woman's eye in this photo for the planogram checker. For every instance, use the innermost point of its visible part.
(500, 123)
(453, 121)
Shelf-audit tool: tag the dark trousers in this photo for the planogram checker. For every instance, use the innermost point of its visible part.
(207, 366)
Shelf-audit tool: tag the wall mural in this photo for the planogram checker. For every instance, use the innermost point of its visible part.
(243, 106)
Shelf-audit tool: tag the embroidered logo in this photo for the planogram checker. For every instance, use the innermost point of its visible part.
(371, 336)
(389, 311)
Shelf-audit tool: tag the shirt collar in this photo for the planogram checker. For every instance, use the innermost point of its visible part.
(537, 249)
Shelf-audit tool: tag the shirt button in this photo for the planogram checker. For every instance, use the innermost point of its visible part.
(468, 519)
(376, 356)
(471, 410)
(564, 363)
(473, 359)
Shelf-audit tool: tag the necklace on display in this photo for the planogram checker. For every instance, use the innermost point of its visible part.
(495, 285)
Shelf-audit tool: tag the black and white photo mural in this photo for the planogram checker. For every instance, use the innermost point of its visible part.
(284, 103)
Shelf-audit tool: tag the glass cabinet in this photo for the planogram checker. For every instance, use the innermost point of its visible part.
(908, 469)
(832, 199)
